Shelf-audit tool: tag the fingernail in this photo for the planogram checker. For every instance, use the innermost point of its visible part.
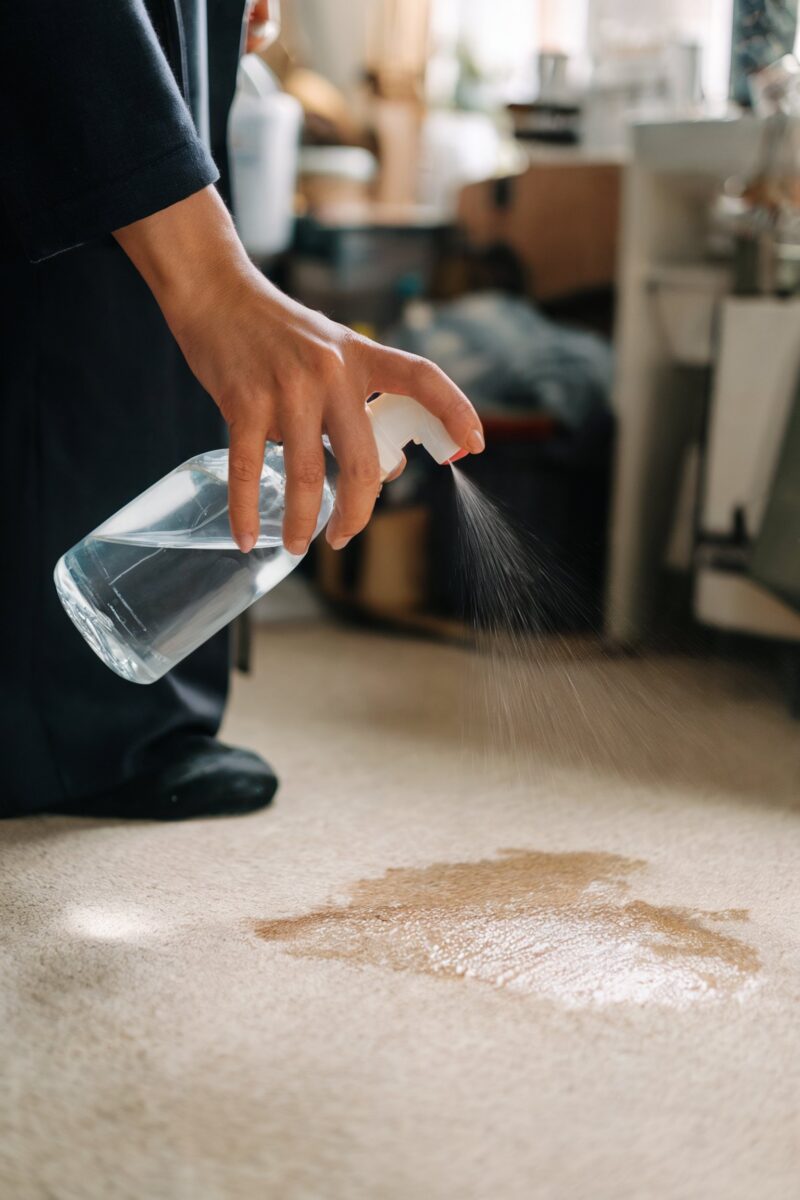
(475, 442)
(339, 543)
(246, 543)
(297, 547)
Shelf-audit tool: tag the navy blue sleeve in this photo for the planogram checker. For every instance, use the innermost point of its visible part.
(94, 133)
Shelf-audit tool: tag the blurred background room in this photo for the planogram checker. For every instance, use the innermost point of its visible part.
(586, 212)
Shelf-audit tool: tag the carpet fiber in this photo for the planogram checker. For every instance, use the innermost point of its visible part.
(509, 931)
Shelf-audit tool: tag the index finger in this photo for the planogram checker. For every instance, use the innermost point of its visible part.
(409, 375)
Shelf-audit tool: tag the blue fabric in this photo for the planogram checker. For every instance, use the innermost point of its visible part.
(509, 357)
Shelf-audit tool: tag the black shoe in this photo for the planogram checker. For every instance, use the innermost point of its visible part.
(199, 778)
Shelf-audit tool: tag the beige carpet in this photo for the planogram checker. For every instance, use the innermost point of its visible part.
(549, 950)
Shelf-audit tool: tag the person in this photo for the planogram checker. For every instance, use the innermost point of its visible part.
(134, 324)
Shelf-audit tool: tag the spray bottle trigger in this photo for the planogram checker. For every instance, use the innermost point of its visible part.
(397, 420)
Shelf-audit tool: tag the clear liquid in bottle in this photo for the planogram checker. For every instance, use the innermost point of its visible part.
(160, 577)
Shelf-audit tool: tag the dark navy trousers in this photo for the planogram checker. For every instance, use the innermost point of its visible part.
(96, 403)
(108, 112)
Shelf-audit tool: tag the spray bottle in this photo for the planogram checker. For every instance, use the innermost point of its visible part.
(163, 574)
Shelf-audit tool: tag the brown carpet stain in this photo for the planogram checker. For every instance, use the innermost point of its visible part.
(556, 925)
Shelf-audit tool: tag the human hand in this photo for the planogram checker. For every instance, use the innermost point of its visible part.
(280, 372)
(263, 25)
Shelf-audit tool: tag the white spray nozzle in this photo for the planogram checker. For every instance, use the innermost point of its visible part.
(398, 420)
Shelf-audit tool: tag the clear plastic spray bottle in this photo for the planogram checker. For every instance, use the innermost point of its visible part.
(162, 575)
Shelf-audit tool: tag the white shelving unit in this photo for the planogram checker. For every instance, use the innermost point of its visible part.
(757, 366)
(673, 303)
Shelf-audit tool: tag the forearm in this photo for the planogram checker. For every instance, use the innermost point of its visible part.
(187, 254)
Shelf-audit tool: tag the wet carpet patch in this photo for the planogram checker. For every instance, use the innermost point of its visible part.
(561, 926)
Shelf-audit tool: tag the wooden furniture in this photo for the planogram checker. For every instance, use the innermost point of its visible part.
(560, 216)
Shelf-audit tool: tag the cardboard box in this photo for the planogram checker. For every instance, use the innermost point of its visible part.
(385, 573)
(560, 217)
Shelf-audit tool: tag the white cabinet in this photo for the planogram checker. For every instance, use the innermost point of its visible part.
(756, 378)
(675, 316)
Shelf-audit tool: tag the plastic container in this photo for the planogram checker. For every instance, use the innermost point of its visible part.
(264, 138)
(163, 574)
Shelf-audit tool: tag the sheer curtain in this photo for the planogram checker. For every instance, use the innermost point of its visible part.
(507, 34)
(504, 36)
(625, 25)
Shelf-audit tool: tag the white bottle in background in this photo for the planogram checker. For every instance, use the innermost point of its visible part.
(263, 142)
